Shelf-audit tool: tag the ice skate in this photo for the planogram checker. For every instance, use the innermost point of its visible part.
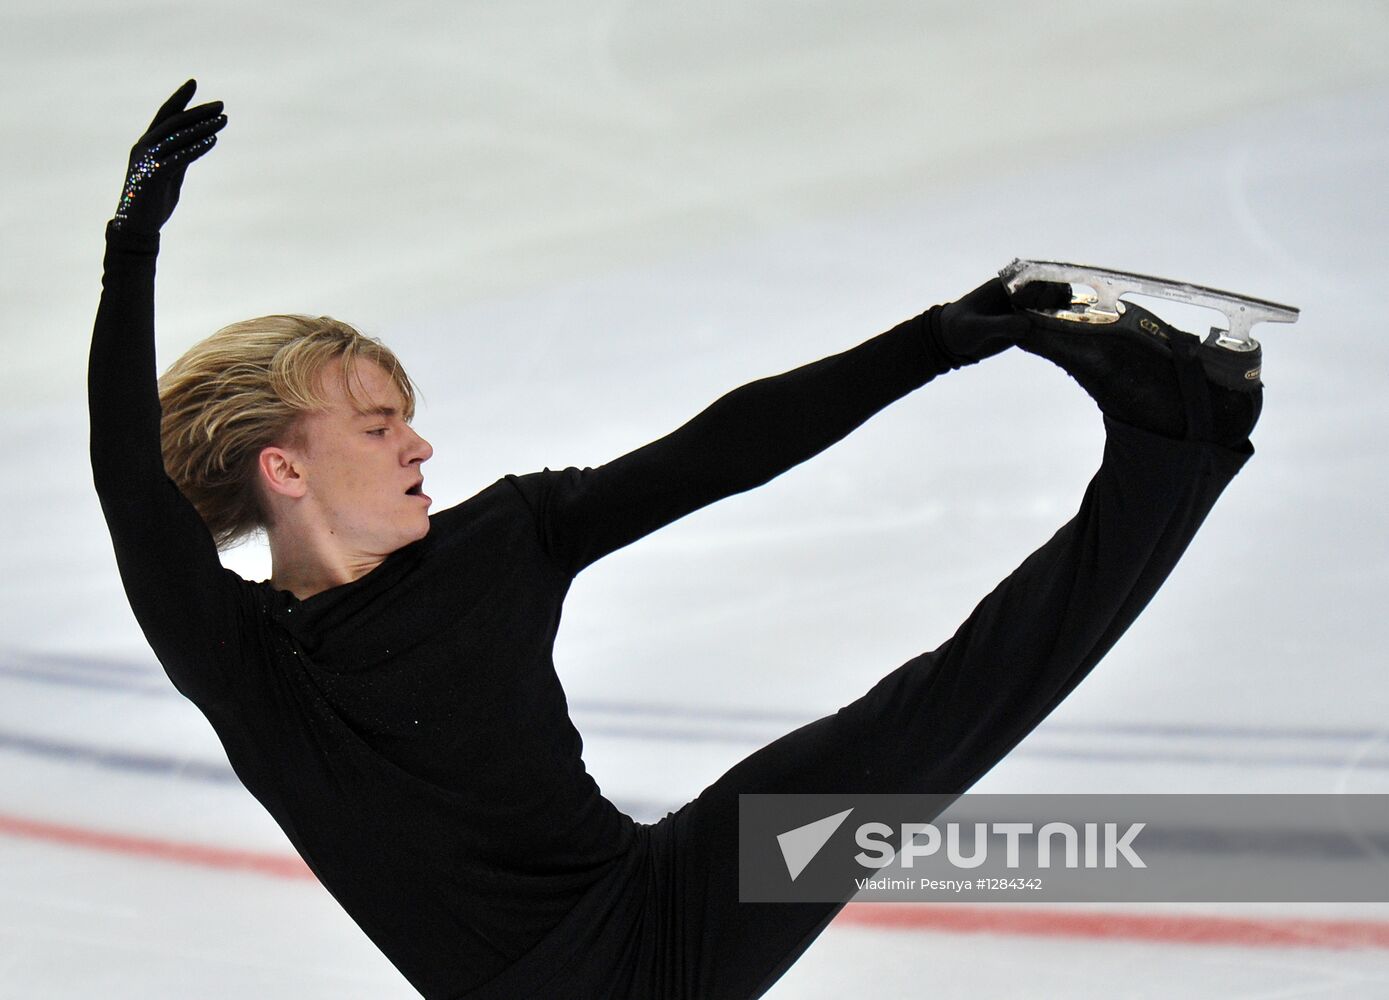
(1232, 356)
(1140, 369)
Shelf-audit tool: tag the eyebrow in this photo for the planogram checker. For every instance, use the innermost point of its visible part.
(378, 411)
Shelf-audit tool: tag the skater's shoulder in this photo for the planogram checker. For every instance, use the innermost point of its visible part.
(481, 506)
(489, 519)
(538, 488)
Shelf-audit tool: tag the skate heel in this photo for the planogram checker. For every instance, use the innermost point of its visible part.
(1233, 368)
(1233, 364)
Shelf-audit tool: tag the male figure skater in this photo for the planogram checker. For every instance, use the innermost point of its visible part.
(389, 696)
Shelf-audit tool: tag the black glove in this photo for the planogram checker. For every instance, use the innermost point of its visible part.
(158, 161)
(987, 320)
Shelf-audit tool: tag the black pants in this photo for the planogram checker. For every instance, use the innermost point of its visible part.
(668, 923)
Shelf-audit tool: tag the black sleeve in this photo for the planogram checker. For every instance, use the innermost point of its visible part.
(746, 438)
(182, 597)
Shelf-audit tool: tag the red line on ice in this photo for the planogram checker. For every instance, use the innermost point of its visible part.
(278, 865)
(1174, 928)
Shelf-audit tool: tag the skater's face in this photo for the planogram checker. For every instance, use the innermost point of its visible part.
(359, 465)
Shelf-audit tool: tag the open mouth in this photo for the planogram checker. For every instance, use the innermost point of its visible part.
(415, 490)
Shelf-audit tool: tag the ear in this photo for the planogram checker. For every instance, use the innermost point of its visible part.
(280, 472)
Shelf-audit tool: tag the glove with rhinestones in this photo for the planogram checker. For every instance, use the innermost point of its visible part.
(158, 161)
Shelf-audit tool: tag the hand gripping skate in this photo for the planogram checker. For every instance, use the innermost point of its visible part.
(1230, 356)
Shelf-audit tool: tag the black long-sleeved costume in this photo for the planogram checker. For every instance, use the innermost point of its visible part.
(409, 734)
(408, 730)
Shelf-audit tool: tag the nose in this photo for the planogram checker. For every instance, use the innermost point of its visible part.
(425, 449)
(420, 450)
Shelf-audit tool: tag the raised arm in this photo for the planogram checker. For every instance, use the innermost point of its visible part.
(178, 590)
(760, 430)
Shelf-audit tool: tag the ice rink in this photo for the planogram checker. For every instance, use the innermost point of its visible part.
(578, 224)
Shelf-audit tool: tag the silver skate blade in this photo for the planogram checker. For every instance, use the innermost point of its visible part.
(1103, 306)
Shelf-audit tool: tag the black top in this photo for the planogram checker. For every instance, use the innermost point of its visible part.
(407, 730)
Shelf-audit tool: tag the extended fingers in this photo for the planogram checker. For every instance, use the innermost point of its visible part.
(182, 121)
(176, 103)
(188, 154)
(176, 145)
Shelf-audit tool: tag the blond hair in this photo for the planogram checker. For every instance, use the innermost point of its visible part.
(243, 389)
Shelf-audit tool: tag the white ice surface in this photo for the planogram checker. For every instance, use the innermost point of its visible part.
(580, 223)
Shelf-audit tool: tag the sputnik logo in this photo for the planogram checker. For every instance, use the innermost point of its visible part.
(799, 846)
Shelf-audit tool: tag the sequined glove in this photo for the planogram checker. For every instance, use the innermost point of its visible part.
(158, 161)
(987, 321)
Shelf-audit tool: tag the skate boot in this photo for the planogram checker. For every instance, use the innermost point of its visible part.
(1140, 369)
(1146, 373)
